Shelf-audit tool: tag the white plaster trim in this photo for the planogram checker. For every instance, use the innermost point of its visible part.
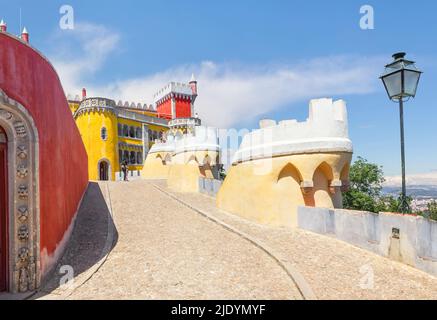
(182, 89)
(325, 130)
(302, 146)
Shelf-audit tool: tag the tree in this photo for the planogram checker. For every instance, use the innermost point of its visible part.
(432, 210)
(366, 181)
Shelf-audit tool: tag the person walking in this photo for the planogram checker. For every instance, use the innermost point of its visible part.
(125, 170)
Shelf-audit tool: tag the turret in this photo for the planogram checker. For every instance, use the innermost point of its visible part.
(83, 94)
(193, 85)
(176, 100)
(25, 35)
(3, 26)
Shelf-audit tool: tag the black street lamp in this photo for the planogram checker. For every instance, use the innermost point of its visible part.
(400, 79)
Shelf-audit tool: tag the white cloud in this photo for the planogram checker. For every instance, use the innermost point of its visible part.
(228, 93)
(424, 179)
(82, 52)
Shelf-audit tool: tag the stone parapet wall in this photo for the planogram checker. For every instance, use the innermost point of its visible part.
(209, 187)
(404, 238)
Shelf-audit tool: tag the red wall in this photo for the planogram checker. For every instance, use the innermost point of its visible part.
(63, 164)
(183, 108)
(164, 109)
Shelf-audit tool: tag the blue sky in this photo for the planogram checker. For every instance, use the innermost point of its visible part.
(255, 58)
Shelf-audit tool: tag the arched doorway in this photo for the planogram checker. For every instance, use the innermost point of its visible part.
(3, 212)
(20, 153)
(103, 170)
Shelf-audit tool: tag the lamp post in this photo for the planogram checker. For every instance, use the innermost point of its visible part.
(401, 78)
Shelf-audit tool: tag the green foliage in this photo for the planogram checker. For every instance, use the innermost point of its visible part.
(432, 210)
(222, 173)
(392, 204)
(366, 181)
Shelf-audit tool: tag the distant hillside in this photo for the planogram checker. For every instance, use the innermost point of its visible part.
(424, 179)
(418, 185)
(416, 191)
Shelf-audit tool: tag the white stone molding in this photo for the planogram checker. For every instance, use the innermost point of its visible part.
(326, 130)
(173, 89)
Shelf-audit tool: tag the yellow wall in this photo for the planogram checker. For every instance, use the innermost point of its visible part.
(269, 191)
(188, 167)
(184, 177)
(73, 106)
(155, 166)
(90, 125)
(131, 141)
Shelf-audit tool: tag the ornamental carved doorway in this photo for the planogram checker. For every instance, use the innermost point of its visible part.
(3, 212)
(20, 267)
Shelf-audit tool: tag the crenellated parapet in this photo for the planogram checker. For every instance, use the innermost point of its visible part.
(326, 130)
(96, 105)
(287, 164)
(183, 158)
(171, 90)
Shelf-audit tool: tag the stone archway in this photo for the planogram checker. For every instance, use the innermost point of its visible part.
(23, 265)
(104, 170)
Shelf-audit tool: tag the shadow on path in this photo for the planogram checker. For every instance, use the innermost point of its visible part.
(94, 227)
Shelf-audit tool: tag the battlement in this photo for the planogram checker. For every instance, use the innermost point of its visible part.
(203, 139)
(178, 89)
(325, 130)
(120, 103)
(137, 106)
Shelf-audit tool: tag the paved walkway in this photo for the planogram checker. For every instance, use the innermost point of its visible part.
(165, 250)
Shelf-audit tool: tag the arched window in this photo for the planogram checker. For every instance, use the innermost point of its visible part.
(160, 135)
(125, 131)
(149, 133)
(132, 157)
(104, 134)
(120, 156)
(132, 132)
(139, 157)
(120, 130)
(155, 135)
(139, 134)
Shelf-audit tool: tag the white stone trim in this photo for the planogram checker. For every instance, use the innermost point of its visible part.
(326, 130)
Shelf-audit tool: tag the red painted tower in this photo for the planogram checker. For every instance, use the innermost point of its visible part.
(176, 100)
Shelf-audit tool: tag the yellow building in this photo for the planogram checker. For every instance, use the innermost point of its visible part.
(114, 132)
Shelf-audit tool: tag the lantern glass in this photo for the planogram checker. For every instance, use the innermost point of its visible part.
(401, 77)
(411, 80)
(393, 84)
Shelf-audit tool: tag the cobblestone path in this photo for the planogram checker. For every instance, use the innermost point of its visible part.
(333, 269)
(165, 250)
